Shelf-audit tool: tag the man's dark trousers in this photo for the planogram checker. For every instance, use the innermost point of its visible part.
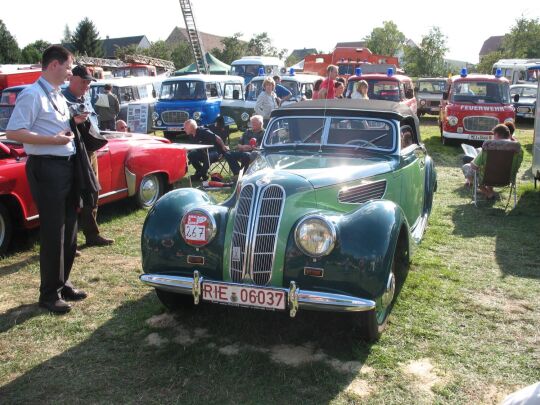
(52, 186)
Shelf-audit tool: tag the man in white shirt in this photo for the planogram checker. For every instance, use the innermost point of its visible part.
(40, 121)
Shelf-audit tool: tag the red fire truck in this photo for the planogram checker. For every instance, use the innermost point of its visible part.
(473, 105)
(15, 76)
(347, 59)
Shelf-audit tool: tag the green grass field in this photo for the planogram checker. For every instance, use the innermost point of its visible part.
(465, 328)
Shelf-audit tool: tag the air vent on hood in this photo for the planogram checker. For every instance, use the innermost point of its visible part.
(362, 193)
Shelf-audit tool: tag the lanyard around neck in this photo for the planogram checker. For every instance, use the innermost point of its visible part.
(48, 94)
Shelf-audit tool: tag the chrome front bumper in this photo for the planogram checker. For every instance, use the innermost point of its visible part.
(297, 299)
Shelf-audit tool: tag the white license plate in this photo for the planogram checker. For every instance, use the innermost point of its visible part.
(245, 296)
(479, 137)
(175, 129)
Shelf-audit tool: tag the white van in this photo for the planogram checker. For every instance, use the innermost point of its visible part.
(248, 66)
(516, 71)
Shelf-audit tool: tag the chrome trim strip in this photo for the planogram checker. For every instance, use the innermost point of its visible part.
(32, 218)
(309, 300)
(131, 179)
(123, 190)
(369, 191)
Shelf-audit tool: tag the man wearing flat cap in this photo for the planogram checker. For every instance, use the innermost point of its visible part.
(76, 96)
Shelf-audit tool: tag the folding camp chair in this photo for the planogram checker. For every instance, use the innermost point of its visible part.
(499, 170)
(220, 166)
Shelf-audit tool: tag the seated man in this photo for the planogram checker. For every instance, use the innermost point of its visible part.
(500, 133)
(246, 146)
(121, 126)
(406, 137)
(220, 129)
(199, 158)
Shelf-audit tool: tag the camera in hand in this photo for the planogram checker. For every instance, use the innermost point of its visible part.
(77, 109)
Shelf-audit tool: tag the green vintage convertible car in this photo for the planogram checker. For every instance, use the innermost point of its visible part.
(325, 218)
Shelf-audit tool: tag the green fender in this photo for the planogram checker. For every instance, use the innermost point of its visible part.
(163, 248)
(361, 259)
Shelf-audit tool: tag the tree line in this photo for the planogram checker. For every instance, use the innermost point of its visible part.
(425, 59)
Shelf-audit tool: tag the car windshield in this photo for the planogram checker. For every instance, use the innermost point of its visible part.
(292, 86)
(346, 132)
(183, 90)
(346, 69)
(431, 86)
(246, 70)
(527, 92)
(479, 92)
(379, 89)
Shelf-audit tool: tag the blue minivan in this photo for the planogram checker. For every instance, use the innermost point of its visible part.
(196, 96)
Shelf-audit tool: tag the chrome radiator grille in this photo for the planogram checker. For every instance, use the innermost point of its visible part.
(255, 234)
(480, 124)
(240, 231)
(174, 117)
(362, 193)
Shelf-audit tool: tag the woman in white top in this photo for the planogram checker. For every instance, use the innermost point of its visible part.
(361, 90)
(267, 100)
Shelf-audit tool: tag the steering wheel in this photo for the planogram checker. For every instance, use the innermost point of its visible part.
(360, 142)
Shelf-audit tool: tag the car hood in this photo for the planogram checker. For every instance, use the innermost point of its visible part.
(322, 170)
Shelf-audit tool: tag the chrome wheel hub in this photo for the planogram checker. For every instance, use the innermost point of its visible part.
(149, 190)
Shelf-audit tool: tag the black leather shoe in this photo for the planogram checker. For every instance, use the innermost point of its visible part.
(99, 241)
(73, 294)
(58, 307)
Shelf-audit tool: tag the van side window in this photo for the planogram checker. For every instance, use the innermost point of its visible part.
(143, 91)
(229, 91)
(212, 90)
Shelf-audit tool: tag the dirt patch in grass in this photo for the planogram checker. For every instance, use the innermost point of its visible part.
(230, 350)
(423, 375)
(154, 339)
(360, 388)
(165, 320)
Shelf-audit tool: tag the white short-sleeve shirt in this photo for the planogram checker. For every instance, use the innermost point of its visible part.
(35, 112)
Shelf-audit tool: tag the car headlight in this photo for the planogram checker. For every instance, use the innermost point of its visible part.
(159, 122)
(197, 115)
(452, 121)
(315, 236)
(509, 120)
(198, 227)
(422, 102)
(155, 115)
(244, 116)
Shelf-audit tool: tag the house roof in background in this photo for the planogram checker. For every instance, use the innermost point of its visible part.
(491, 44)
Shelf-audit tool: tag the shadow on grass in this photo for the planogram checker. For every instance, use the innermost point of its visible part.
(19, 315)
(115, 364)
(15, 267)
(517, 231)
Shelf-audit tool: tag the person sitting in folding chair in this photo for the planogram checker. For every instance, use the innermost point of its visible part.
(220, 129)
(199, 159)
(496, 165)
(249, 142)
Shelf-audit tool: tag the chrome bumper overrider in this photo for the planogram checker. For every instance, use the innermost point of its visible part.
(297, 298)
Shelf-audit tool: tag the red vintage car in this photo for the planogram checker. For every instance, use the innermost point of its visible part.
(130, 165)
(385, 86)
